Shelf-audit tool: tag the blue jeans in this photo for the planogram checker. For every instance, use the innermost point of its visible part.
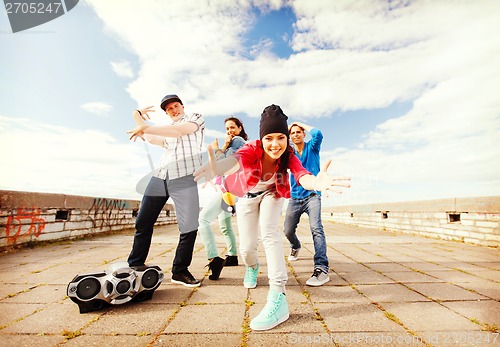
(312, 206)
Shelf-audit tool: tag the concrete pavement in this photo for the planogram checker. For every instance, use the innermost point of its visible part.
(386, 289)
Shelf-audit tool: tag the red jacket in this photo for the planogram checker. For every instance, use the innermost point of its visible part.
(250, 159)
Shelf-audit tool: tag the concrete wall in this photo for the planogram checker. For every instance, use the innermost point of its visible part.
(29, 217)
(475, 220)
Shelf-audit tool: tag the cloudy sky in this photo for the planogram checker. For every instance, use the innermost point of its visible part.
(405, 92)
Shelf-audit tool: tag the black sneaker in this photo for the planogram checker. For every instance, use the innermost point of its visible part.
(294, 254)
(231, 260)
(185, 278)
(215, 265)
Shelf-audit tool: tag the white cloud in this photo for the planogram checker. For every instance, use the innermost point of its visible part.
(68, 161)
(207, 67)
(99, 108)
(211, 133)
(123, 68)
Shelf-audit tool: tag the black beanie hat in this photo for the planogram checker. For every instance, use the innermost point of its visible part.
(273, 120)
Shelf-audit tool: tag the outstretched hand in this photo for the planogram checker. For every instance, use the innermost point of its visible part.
(324, 182)
(140, 122)
(138, 131)
(144, 112)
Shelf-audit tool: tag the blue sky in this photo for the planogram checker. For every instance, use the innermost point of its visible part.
(406, 93)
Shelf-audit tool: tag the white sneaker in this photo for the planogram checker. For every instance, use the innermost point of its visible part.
(275, 312)
(251, 274)
(294, 254)
(318, 278)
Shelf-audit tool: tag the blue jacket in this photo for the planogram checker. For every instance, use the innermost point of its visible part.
(311, 162)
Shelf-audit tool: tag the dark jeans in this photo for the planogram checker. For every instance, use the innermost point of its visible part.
(312, 206)
(150, 209)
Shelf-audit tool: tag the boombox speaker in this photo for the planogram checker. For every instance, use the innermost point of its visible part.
(118, 285)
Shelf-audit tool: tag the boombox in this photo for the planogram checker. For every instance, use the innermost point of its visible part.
(118, 285)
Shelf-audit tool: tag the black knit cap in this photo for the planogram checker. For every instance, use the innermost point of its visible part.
(273, 120)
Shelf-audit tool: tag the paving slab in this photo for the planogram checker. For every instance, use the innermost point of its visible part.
(444, 291)
(31, 340)
(209, 318)
(487, 289)
(51, 319)
(454, 276)
(365, 277)
(198, 340)
(471, 267)
(41, 294)
(460, 338)
(387, 267)
(412, 277)
(353, 317)
(390, 293)
(492, 275)
(220, 294)
(398, 257)
(489, 265)
(484, 311)
(107, 340)
(429, 316)
(425, 266)
(353, 267)
(168, 293)
(12, 313)
(131, 318)
(8, 290)
(326, 294)
(279, 339)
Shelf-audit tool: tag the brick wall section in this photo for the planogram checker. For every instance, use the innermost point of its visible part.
(26, 217)
(474, 220)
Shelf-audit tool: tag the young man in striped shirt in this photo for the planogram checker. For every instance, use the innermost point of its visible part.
(183, 142)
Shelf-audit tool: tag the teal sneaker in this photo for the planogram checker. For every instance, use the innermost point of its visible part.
(275, 312)
(250, 280)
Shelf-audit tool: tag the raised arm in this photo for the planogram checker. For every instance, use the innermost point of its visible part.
(142, 127)
(302, 125)
(155, 139)
(175, 130)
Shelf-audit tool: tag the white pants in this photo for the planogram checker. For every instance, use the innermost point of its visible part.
(262, 212)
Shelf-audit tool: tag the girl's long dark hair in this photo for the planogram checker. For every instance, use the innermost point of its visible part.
(239, 124)
(283, 165)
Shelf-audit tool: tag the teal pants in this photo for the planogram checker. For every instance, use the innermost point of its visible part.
(212, 210)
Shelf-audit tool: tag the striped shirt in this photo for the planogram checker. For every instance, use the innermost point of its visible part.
(182, 154)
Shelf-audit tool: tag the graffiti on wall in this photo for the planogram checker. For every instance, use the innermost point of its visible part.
(27, 222)
(106, 212)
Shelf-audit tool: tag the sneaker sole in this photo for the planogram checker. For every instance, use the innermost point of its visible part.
(292, 259)
(317, 284)
(185, 284)
(267, 327)
(250, 286)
